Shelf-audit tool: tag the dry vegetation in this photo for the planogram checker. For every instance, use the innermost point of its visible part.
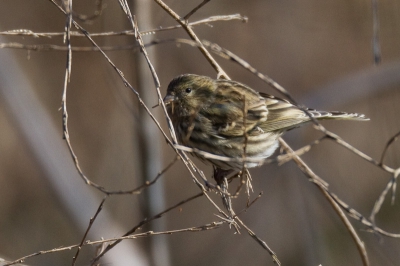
(100, 178)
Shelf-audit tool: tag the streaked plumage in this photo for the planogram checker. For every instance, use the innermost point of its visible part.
(208, 114)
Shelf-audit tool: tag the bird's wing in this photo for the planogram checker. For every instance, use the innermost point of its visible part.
(236, 110)
(282, 115)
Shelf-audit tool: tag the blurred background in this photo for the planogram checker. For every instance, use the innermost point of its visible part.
(320, 51)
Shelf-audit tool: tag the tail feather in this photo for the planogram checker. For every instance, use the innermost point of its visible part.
(321, 115)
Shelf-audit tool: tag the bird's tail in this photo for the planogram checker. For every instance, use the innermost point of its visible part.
(323, 115)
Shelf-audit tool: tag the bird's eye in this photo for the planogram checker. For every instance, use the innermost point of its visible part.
(188, 90)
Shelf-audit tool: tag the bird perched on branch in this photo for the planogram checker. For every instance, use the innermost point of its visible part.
(231, 125)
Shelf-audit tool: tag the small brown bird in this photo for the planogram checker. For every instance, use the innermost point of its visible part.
(227, 118)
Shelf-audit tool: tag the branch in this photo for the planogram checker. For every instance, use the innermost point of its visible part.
(26, 32)
(221, 73)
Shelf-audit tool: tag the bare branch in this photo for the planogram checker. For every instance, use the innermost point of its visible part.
(195, 9)
(221, 73)
(206, 227)
(87, 230)
(389, 142)
(261, 242)
(26, 32)
(316, 180)
(143, 222)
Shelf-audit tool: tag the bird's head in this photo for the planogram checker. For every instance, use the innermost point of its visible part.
(188, 93)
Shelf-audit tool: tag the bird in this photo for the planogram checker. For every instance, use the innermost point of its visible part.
(228, 119)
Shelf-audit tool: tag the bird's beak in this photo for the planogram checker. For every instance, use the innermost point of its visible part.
(168, 99)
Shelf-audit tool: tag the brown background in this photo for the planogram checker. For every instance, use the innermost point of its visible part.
(310, 47)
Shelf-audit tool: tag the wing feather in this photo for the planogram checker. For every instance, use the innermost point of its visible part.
(232, 101)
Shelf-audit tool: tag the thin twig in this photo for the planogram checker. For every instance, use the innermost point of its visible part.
(389, 142)
(195, 9)
(26, 32)
(143, 222)
(221, 73)
(378, 203)
(157, 84)
(316, 180)
(260, 241)
(126, 83)
(241, 183)
(205, 227)
(249, 204)
(87, 230)
(139, 189)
